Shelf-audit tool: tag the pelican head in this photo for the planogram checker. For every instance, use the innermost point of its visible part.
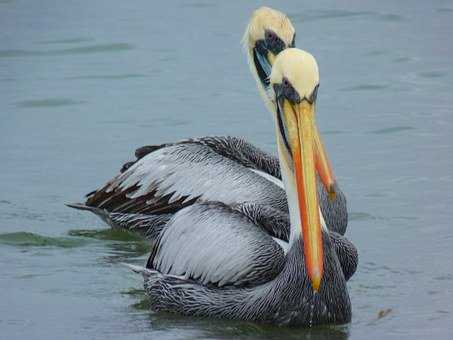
(268, 33)
(294, 81)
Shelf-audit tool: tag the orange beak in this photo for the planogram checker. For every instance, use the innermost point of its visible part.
(302, 132)
(324, 167)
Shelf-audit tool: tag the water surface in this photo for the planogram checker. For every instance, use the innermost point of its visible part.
(83, 83)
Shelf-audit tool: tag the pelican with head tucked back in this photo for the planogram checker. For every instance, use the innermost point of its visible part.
(212, 260)
(168, 177)
(268, 33)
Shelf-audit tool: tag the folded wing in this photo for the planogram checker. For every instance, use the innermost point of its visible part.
(216, 245)
(168, 178)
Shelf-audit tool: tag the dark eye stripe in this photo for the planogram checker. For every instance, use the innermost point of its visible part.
(282, 127)
(293, 43)
(289, 92)
(314, 95)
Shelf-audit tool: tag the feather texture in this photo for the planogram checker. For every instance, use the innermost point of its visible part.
(172, 177)
(166, 178)
(214, 244)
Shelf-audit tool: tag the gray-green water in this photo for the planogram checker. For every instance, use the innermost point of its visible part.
(83, 83)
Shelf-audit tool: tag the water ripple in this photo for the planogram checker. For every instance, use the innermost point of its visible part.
(444, 10)
(365, 87)
(100, 48)
(123, 246)
(361, 216)
(380, 315)
(333, 132)
(26, 239)
(432, 74)
(393, 129)
(324, 14)
(327, 14)
(106, 234)
(109, 76)
(96, 49)
(402, 59)
(445, 277)
(199, 5)
(48, 102)
(65, 41)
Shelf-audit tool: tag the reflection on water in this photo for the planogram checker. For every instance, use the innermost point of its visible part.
(106, 234)
(142, 302)
(127, 246)
(83, 84)
(209, 328)
(25, 239)
(231, 329)
(121, 245)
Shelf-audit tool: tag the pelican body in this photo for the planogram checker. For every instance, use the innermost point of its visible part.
(210, 259)
(273, 288)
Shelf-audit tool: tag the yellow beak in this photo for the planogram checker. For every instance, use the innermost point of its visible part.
(302, 134)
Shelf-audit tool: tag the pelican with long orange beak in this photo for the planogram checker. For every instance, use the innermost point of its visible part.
(168, 177)
(212, 260)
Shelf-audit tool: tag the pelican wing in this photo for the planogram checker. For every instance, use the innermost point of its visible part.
(233, 148)
(172, 176)
(216, 245)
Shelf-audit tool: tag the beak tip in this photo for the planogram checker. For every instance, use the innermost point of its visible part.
(316, 283)
(332, 193)
(316, 278)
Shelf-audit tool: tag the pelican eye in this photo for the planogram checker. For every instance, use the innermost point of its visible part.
(273, 42)
(270, 36)
(289, 92)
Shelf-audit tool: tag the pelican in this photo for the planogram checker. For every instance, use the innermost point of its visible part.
(212, 260)
(168, 177)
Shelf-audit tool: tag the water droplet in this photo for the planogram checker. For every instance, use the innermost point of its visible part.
(312, 307)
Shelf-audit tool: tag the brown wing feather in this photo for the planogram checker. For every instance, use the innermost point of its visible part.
(115, 197)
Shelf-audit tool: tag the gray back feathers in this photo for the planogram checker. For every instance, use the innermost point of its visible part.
(195, 171)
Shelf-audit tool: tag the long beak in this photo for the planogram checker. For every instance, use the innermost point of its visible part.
(263, 60)
(323, 166)
(301, 130)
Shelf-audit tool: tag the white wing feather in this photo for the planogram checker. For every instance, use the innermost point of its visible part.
(214, 244)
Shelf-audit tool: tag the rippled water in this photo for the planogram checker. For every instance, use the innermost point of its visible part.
(82, 84)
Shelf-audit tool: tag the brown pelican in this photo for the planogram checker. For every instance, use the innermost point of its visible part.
(168, 177)
(212, 260)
